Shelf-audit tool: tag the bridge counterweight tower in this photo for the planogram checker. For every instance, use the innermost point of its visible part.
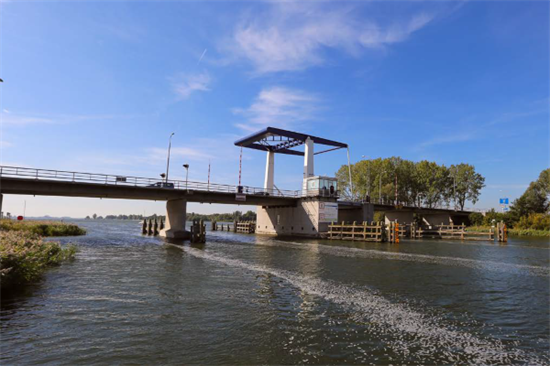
(269, 181)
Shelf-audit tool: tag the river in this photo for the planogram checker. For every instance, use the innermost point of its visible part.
(246, 299)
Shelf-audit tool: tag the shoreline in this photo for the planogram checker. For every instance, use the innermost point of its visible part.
(25, 255)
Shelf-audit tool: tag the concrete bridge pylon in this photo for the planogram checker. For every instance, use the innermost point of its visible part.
(176, 211)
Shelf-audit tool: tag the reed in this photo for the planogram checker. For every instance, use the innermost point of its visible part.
(42, 228)
(24, 256)
(529, 232)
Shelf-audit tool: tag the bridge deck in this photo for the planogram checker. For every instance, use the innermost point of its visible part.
(42, 182)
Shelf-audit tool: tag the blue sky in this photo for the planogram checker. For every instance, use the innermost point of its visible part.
(99, 87)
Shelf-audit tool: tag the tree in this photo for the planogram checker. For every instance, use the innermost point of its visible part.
(94, 216)
(536, 199)
(467, 184)
(87, 217)
(433, 183)
(418, 183)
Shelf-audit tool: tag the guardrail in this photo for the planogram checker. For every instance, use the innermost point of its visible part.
(123, 180)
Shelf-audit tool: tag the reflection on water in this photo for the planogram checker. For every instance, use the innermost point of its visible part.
(245, 299)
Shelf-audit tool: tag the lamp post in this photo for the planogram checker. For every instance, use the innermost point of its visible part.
(186, 166)
(168, 159)
(368, 179)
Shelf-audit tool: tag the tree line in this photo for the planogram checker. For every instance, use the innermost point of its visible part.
(530, 211)
(228, 217)
(401, 181)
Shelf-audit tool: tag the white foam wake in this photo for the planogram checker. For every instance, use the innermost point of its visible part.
(415, 335)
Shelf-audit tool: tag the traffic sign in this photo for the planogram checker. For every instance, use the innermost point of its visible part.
(504, 201)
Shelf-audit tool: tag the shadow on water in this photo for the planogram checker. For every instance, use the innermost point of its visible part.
(13, 298)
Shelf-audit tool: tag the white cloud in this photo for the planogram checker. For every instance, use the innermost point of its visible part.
(279, 106)
(5, 144)
(293, 37)
(184, 85)
(448, 139)
(8, 118)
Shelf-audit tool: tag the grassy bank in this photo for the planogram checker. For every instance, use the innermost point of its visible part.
(529, 232)
(514, 232)
(42, 228)
(24, 255)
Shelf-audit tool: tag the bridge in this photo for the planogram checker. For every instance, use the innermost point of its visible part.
(306, 212)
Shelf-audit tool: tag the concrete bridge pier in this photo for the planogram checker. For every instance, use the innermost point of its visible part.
(176, 211)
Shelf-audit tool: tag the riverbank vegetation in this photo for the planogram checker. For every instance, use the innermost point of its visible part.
(529, 215)
(24, 255)
(42, 228)
(422, 183)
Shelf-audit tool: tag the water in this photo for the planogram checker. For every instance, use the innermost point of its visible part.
(245, 299)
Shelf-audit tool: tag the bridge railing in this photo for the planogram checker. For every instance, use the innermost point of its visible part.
(123, 180)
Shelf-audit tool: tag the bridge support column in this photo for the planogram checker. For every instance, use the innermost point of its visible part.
(176, 211)
(1, 199)
(269, 172)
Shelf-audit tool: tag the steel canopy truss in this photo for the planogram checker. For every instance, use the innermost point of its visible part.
(283, 141)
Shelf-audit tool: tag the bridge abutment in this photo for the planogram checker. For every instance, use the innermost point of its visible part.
(310, 217)
(176, 211)
(436, 219)
(402, 217)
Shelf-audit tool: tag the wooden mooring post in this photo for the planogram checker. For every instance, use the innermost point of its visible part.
(198, 232)
(502, 232)
(245, 227)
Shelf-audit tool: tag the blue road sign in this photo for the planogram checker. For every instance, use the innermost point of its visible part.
(504, 201)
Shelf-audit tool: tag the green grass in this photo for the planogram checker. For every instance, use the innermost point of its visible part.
(478, 228)
(42, 228)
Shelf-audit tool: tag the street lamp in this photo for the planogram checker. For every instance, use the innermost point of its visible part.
(168, 159)
(186, 166)
(367, 196)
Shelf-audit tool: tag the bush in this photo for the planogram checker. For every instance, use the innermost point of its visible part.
(492, 217)
(476, 219)
(535, 221)
(24, 256)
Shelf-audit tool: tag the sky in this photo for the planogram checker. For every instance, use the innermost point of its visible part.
(99, 86)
